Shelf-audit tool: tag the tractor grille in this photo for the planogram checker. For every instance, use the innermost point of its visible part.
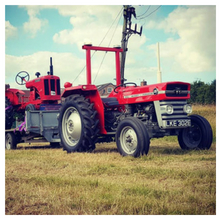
(52, 85)
(58, 87)
(178, 112)
(46, 87)
(177, 90)
(178, 118)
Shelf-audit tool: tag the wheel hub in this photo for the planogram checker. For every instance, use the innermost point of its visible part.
(72, 126)
(128, 139)
(192, 136)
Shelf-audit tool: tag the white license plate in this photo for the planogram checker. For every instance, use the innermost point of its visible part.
(178, 123)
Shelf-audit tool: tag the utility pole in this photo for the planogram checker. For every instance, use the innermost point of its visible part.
(124, 43)
(126, 33)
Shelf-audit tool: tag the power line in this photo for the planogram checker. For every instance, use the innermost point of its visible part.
(100, 42)
(108, 46)
(115, 30)
(99, 67)
(144, 12)
(111, 26)
(149, 14)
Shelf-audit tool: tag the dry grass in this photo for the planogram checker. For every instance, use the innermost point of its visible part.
(209, 112)
(40, 180)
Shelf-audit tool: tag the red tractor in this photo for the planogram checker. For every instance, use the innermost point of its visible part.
(44, 93)
(131, 115)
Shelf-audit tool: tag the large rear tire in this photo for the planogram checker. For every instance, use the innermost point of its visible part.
(198, 136)
(78, 124)
(132, 138)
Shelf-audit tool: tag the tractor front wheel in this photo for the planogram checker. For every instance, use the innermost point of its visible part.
(198, 136)
(78, 125)
(10, 141)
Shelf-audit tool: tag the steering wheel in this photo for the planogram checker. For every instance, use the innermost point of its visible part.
(22, 77)
(124, 86)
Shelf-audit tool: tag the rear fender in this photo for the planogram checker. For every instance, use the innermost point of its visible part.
(13, 95)
(90, 92)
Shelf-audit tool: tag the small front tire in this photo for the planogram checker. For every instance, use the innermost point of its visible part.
(10, 141)
(130, 137)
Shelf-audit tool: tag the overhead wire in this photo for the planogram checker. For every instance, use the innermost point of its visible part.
(138, 18)
(99, 43)
(144, 12)
(149, 13)
(108, 46)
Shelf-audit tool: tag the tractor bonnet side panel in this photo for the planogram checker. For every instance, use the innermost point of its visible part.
(160, 91)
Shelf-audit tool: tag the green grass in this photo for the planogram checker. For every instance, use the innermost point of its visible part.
(169, 180)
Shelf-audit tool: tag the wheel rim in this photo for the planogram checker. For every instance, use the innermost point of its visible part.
(192, 136)
(8, 142)
(71, 126)
(128, 140)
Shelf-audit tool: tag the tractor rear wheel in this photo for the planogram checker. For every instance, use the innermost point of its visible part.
(131, 138)
(78, 125)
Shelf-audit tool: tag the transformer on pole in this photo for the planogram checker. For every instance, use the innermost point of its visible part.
(127, 31)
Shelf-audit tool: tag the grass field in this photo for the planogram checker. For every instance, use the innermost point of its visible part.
(41, 180)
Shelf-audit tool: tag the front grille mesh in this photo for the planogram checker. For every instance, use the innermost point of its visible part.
(178, 112)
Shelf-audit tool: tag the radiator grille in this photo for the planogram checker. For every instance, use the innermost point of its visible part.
(178, 112)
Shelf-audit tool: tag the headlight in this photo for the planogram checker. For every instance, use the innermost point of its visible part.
(166, 109)
(169, 109)
(187, 109)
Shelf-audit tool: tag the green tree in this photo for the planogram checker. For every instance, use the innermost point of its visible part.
(203, 93)
(210, 96)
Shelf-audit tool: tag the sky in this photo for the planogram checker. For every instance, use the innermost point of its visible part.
(186, 34)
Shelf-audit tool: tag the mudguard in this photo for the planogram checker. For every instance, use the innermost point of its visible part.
(91, 93)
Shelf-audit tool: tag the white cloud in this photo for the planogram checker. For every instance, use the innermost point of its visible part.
(34, 24)
(10, 30)
(106, 12)
(195, 49)
(65, 65)
(90, 23)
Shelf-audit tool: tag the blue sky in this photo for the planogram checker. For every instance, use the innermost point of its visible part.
(187, 36)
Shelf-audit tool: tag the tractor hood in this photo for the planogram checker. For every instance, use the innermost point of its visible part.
(155, 92)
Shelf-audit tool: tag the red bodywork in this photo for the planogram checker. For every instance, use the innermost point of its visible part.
(15, 96)
(139, 94)
(124, 95)
(43, 90)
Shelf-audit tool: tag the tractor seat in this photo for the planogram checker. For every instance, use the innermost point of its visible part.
(109, 102)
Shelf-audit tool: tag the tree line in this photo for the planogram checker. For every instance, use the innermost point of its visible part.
(203, 93)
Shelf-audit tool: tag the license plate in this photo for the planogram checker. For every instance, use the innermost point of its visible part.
(178, 123)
